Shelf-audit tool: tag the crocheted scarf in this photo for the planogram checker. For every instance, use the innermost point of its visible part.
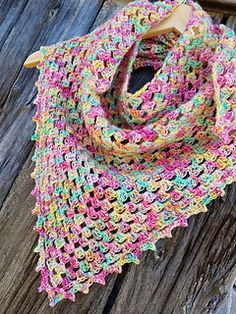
(116, 170)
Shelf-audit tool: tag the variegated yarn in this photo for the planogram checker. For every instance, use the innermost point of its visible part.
(115, 171)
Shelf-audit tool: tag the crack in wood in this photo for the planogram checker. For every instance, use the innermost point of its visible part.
(116, 288)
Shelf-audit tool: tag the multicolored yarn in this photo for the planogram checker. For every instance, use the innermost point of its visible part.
(115, 171)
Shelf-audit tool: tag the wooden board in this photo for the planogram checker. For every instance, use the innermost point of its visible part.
(223, 6)
(193, 272)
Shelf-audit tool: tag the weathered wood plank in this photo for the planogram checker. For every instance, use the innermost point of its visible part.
(193, 271)
(223, 2)
(223, 6)
(19, 282)
(36, 23)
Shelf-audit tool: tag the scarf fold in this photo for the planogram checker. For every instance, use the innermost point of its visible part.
(117, 170)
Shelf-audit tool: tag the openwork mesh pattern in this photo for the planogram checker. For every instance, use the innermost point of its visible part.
(115, 171)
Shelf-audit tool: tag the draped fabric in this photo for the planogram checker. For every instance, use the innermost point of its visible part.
(116, 170)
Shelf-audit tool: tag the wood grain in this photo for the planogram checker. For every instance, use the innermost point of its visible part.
(223, 6)
(191, 273)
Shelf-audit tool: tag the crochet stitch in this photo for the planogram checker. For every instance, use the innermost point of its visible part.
(114, 170)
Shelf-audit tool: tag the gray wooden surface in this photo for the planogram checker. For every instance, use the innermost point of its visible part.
(193, 271)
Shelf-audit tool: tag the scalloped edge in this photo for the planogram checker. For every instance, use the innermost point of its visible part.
(182, 221)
